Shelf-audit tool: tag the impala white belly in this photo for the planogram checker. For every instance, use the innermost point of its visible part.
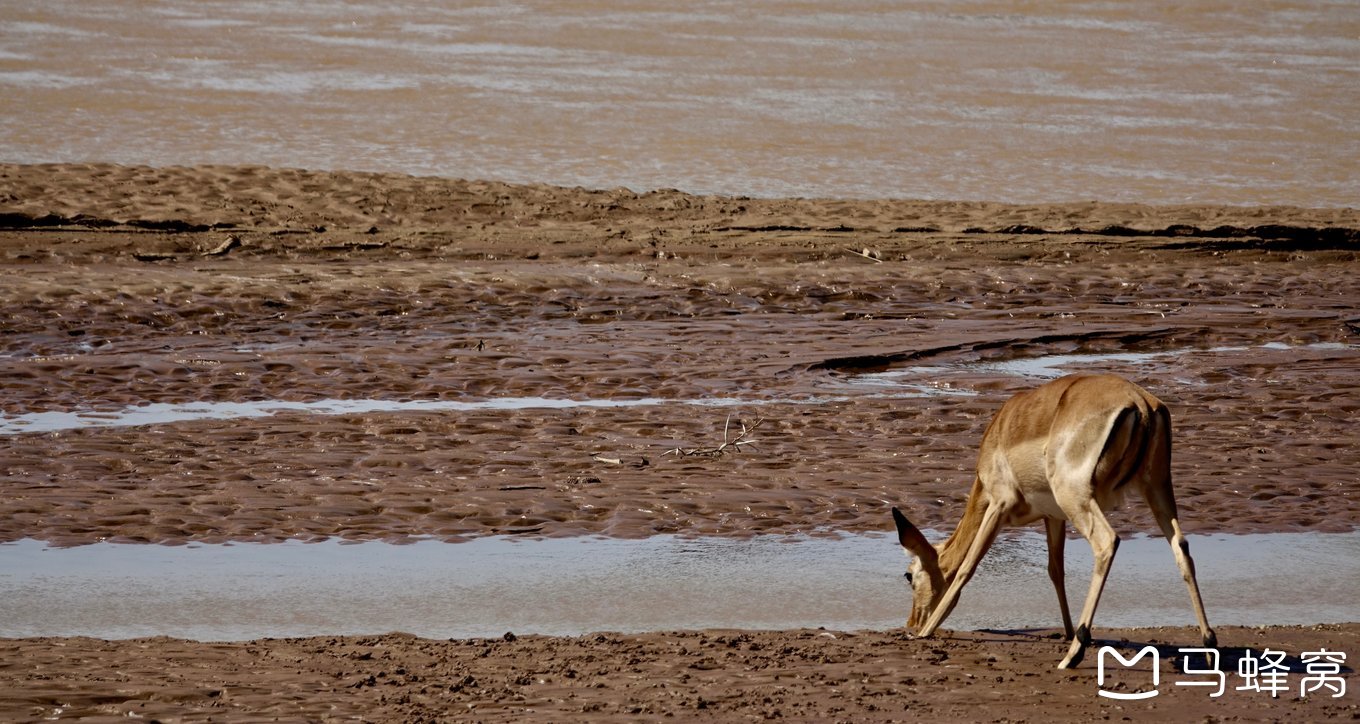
(1042, 503)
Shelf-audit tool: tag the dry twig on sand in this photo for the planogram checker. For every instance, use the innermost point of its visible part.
(870, 254)
(733, 445)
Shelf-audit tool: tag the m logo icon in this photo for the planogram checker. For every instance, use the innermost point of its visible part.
(1100, 672)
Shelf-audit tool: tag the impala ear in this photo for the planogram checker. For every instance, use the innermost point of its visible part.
(912, 539)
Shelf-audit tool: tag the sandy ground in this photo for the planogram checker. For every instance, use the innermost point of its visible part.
(131, 285)
(710, 675)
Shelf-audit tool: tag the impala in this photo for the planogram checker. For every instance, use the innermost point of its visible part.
(1067, 450)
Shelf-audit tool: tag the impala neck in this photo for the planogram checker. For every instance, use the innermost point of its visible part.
(955, 549)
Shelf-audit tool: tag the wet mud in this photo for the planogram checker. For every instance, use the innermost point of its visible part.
(672, 675)
(124, 287)
(620, 299)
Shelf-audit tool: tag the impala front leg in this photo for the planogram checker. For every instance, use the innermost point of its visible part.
(982, 540)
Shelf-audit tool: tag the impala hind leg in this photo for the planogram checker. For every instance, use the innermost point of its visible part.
(1091, 523)
(1057, 539)
(1163, 504)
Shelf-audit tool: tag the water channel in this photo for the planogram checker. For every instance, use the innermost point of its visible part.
(574, 586)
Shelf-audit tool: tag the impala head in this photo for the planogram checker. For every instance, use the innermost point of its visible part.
(927, 581)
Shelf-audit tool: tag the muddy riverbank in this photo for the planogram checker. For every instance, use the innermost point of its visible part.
(369, 357)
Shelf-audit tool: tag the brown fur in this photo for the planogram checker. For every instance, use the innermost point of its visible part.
(1065, 451)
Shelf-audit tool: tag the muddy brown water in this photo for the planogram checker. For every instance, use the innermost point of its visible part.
(1159, 102)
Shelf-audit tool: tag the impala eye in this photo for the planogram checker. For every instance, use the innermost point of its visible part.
(908, 575)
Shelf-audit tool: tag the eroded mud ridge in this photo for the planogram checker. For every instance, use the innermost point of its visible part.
(786, 313)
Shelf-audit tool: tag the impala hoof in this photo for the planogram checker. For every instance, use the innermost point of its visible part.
(1077, 651)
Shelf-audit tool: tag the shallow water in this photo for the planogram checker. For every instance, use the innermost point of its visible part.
(1158, 102)
(576, 585)
(166, 413)
(1052, 366)
(907, 382)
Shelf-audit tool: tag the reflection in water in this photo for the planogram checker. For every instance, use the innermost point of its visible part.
(1158, 101)
(574, 585)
